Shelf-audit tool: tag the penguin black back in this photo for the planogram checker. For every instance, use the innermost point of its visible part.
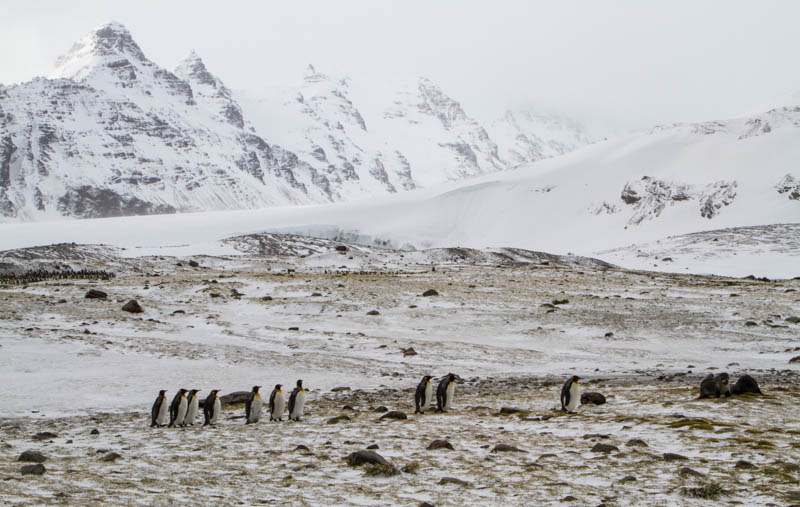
(248, 405)
(208, 407)
(293, 396)
(566, 395)
(174, 406)
(157, 408)
(441, 391)
(420, 401)
(272, 397)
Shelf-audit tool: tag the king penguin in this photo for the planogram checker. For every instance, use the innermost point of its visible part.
(277, 403)
(297, 401)
(158, 416)
(177, 409)
(445, 391)
(193, 409)
(211, 408)
(571, 394)
(423, 396)
(252, 407)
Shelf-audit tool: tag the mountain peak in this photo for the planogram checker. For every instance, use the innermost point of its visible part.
(193, 69)
(109, 40)
(312, 76)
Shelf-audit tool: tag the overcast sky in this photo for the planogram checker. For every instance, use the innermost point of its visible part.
(633, 63)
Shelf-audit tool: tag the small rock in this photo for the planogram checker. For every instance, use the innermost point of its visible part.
(506, 448)
(671, 456)
(338, 418)
(795, 359)
(266, 298)
(373, 446)
(453, 480)
(111, 457)
(609, 334)
(303, 448)
(638, 442)
(394, 414)
(95, 431)
(316, 294)
(745, 465)
(359, 458)
(44, 435)
(380, 409)
(194, 264)
(511, 410)
(373, 312)
(132, 306)
(793, 319)
(339, 389)
(32, 457)
(95, 294)
(569, 498)
(37, 469)
(628, 478)
(560, 301)
(409, 351)
(430, 292)
(439, 444)
(176, 312)
(689, 472)
(604, 448)
(751, 323)
(595, 398)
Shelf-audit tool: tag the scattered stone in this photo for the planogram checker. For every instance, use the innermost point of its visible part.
(111, 457)
(430, 292)
(132, 306)
(557, 302)
(233, 398)
(44, 435)
(294, 328)
(194, 264)
(601, 436)
(409, 351)
(628, 478)
(750, 323)
(689, 472)
(95, 294)
(709, 491)
(266, 298)
(176, 312)
(795, 359)
(94, 431)
(608, 334)
(439, 444)
(453, 480)
(380, 408)
(338, 418)
(604, 448)
(671, 456)
(637, 442)
(373, 312)
(37, 469)
(511, 410)
(569, 498)
(359, 458)
(595, 398)
(506, 448)
(341, 248)
(32, 457)
(744, 465)
(339, 389)
(793, 319)
(316, 294)
(302, 447)
(394, 414)
(373, 446)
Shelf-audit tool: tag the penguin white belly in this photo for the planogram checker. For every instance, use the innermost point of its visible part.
(217, 410)
(182, 407)
(428, 396)
(191, 412)
(449, 395)
(255, 409)
(163, 413)
(574, 397)
(299, 405)
(279, 407)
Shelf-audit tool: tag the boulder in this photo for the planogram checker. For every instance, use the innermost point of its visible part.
(37, 469)
(429, 293)
(595, 398)
(671, 456)
(132, 306)
(32, 457)
(394, 414)
(95, 294)
(373, 312)
(506, 448)
(604, 448)
(338, 418)
(439, 444)
(364, 457)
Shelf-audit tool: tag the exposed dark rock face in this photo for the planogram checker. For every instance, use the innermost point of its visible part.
(650, 197)
(132, 306)
(595, 398)
(95, 294)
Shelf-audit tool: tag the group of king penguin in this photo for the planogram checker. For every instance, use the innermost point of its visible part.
(185, 406)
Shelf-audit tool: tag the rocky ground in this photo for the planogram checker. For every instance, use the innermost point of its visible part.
(514, 324)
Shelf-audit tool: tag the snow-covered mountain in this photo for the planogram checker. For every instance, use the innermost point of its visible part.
(112, 133)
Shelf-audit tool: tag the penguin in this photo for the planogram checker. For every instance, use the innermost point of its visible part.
(423, 396)
(177, 409)
(252, 407)
(277, 403)
(444, 392)
(297, 402)
(193, 408)
(571, 394)
(211, 408)
(158, 416)
(746, 384)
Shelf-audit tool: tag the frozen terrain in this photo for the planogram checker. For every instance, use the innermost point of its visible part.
(270, 308)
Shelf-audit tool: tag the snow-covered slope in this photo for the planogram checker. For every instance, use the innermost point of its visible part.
(111, 133)
(669, 181)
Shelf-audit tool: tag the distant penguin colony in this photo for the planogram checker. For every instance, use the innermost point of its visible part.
(185, 405)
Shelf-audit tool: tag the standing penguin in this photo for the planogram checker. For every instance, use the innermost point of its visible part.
(193, 409)
(571, 394)
(177, 409)
(252, 407)
(211, 408)
(158, 416)
(297, 401)
(423, 396)
(445, 391)
(277, 403)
